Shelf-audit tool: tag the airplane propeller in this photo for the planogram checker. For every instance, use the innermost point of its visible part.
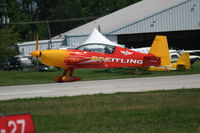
(36, 48)
(36, 53)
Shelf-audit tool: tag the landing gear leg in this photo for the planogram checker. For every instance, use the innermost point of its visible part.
(69, 78)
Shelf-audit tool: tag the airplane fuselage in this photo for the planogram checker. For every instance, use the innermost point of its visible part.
(75, 58)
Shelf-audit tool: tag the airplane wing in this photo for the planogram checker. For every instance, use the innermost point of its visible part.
(191, 51)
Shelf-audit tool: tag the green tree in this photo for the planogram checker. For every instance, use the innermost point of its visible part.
(8, 40)
(42, 10)
(26, 11)
(66, 9)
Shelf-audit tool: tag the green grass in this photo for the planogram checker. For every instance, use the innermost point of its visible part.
(32, 77)
(175, 111)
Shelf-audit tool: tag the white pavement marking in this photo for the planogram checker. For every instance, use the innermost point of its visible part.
(100, 86)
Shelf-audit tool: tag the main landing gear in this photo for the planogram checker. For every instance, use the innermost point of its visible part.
(69, 78)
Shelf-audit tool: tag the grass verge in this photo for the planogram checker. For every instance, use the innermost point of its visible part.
(176, 111)
(32, 77)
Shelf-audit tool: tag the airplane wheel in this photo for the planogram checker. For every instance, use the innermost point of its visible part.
(65, 79)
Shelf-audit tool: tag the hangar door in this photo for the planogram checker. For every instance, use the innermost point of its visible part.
(177, 40)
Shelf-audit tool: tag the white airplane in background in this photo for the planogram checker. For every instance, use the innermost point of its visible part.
(24, 61)
(175, 54)
(194, 55)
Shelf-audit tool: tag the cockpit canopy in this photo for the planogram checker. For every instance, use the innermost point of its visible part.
(95, 47)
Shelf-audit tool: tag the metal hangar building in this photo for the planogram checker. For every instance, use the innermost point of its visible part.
(136, 25)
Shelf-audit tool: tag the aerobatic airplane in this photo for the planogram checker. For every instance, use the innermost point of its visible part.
(98, 52)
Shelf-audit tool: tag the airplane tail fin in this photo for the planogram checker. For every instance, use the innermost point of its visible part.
(160, 49)
(183, 62)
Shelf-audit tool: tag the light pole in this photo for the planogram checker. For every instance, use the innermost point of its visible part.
(49, 31)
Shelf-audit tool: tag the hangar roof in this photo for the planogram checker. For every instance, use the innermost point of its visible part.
(124, 17)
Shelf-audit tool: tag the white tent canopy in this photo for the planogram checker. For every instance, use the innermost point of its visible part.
(97, 38)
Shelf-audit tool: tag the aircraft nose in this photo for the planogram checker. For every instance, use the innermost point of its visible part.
(35, 53)
(52, 57)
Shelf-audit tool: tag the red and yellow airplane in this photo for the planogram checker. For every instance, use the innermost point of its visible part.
(95, 55)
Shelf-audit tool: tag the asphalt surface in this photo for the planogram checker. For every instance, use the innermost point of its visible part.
(100, 86)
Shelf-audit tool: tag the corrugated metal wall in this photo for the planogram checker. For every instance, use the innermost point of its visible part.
(74, 41)
(26, 47)
(71, 41)
(185, 16)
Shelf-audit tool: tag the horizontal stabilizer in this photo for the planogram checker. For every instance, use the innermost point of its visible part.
(183, 62)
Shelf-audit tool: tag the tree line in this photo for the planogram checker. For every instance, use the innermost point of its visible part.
(69, 13)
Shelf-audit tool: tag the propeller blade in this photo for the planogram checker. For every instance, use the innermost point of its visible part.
(36, 48)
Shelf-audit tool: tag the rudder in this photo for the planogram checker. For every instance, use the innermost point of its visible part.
(160, 49)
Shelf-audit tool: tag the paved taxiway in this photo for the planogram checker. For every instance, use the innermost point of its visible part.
(100, 86)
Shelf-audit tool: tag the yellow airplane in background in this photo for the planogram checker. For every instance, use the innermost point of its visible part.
(160, 42)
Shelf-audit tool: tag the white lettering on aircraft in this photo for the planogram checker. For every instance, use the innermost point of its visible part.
(118, 60)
